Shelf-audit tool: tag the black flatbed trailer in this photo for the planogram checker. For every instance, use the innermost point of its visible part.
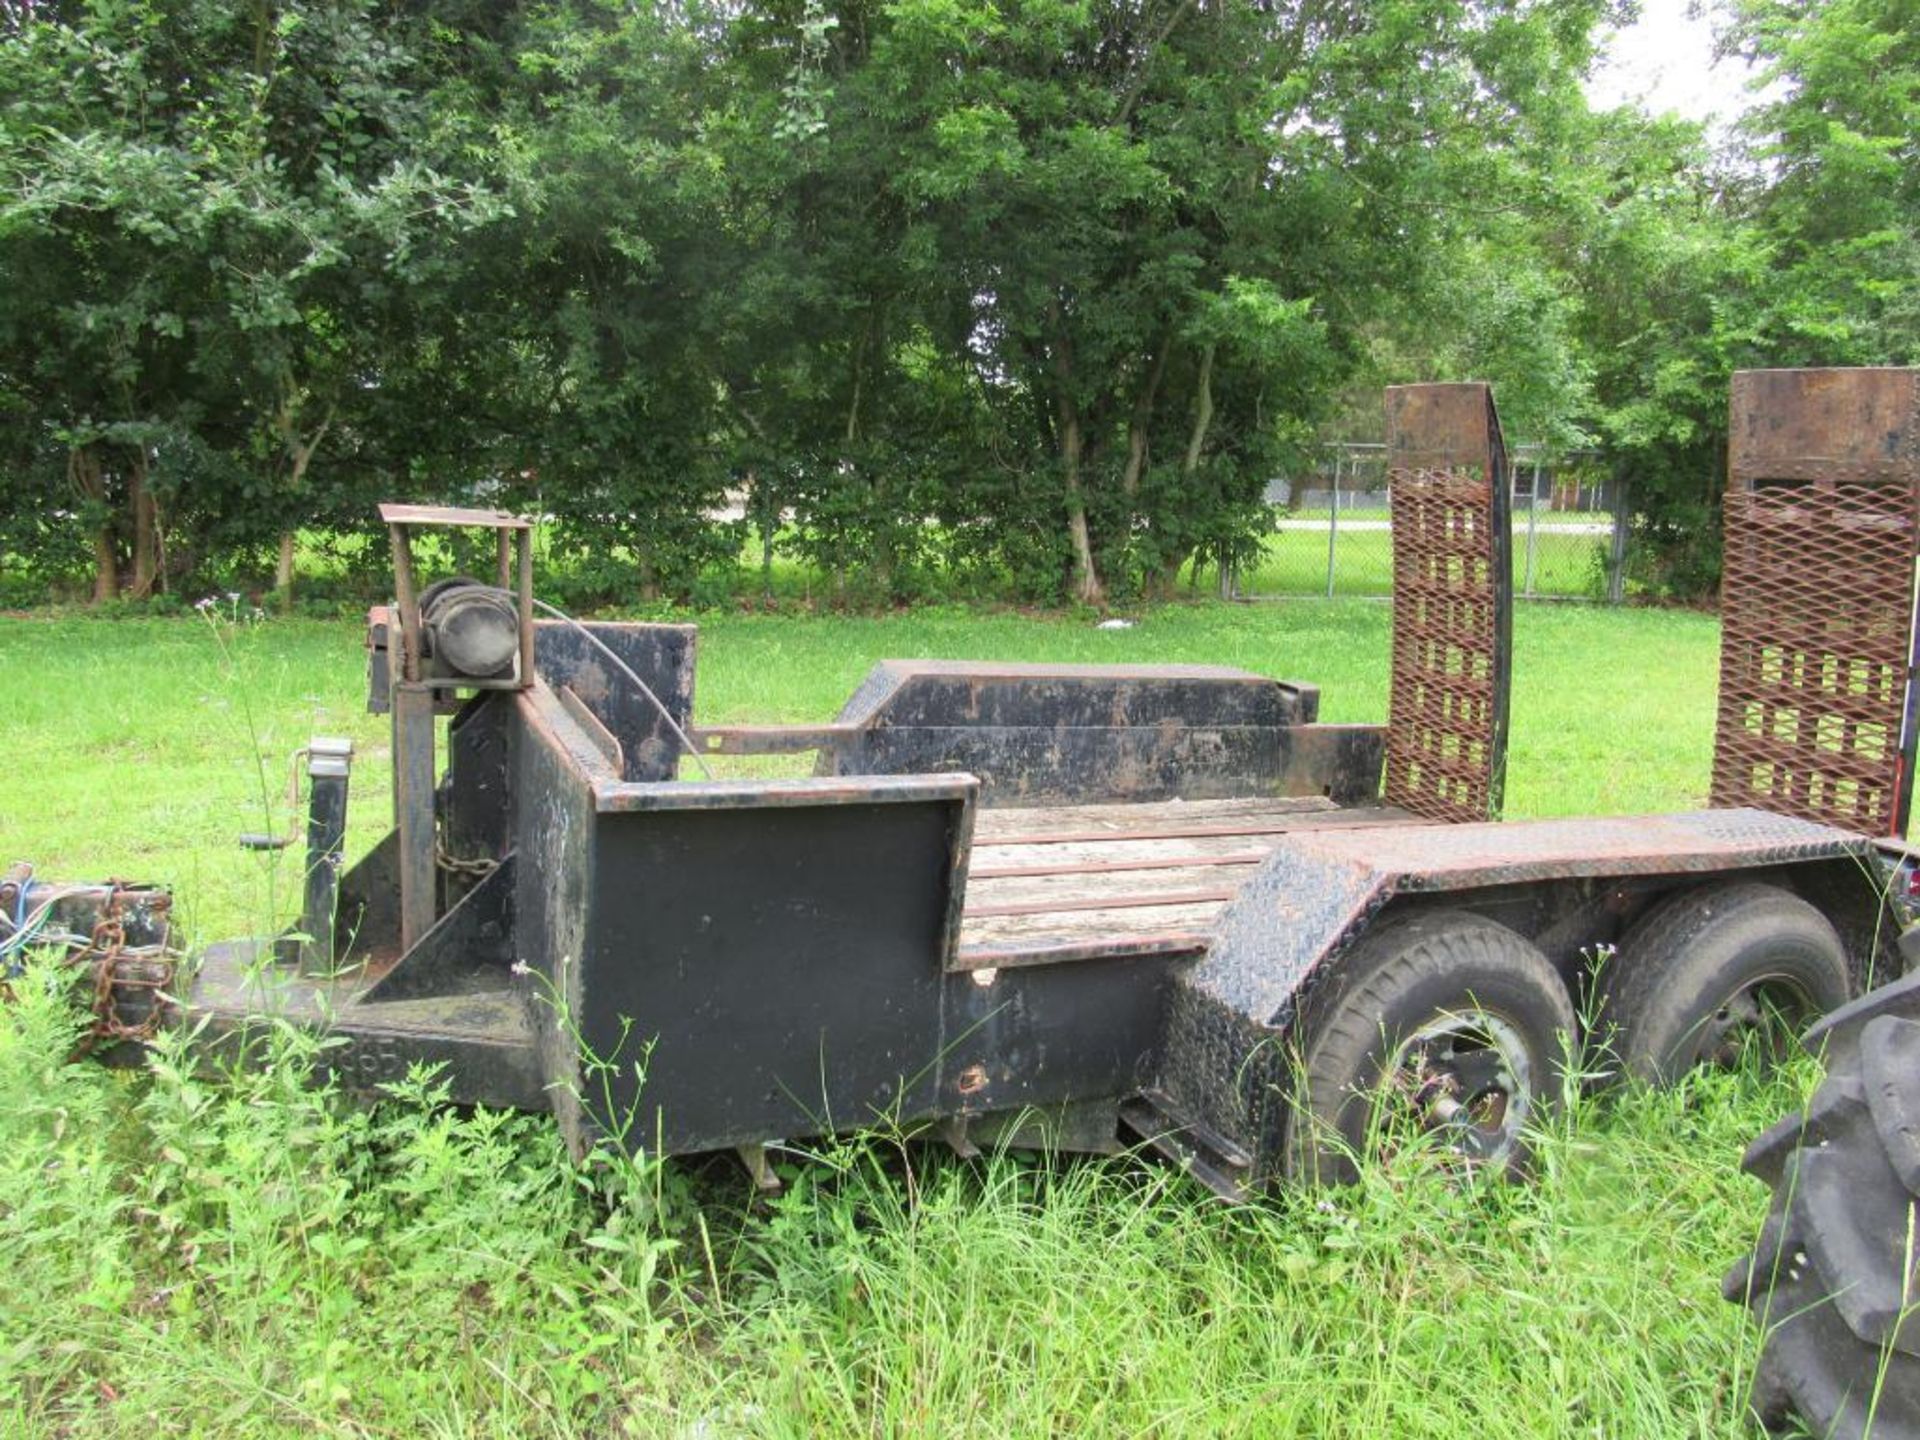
(1083, 906)
(781, 959)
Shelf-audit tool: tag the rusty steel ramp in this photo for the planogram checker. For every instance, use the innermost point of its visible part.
(1822, 529)
(1452, 602)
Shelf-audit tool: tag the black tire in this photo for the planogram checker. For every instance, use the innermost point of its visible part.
(1830, 1279)
(1706, 969)
(1444, 1020)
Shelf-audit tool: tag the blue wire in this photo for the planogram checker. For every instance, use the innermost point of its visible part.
(17, 941)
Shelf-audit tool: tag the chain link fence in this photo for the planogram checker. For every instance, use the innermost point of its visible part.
(1332, 535)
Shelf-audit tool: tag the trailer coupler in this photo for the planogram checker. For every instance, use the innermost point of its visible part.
(113, 938)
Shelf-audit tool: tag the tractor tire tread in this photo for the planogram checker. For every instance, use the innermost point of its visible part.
(1832, 1277)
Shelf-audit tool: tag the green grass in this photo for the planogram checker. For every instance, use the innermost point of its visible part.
(257, 1258)
(1566, 565)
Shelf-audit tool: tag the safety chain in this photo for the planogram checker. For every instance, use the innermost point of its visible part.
(456, 866)
(132, 986)
(116, 942)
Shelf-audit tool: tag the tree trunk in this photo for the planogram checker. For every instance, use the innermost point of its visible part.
(1202, 419)
(1165, 578)
(1087, 588)
(760, 509)
(83, 469)
(283, 570)
(300, 455)
(1135, 469)
(159, 549)
(146, 544)
(1166, 573)
(881, 567)
(1137, 427)
(1086, 577)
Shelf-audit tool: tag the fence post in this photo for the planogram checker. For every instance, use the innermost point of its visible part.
(1617, 555)
(1533, 523)
(1333, 520)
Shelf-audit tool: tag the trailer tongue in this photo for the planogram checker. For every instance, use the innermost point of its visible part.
(1084, 906)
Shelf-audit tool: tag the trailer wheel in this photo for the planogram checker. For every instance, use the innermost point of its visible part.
(1830, 1277)
(1709, 971)
(1443, 1028)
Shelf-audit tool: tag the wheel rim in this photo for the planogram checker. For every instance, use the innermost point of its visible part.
(1462, 1080)
(1769, 1011)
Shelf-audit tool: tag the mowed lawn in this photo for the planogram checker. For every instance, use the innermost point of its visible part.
(144, 748)
(255, 1258)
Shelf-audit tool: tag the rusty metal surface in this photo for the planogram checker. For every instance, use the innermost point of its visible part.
(1042, 764)
(582, 715)
(114, 938)
(616, 798)
(481, 1039)
(661, 655)
(1066, 734)
(1320, 886)
(1419, 857)
(1827, 425)
(901, 686)
(1452, 602)
(1822, 526)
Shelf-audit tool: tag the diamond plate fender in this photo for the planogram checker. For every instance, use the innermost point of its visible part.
(1230, 1014)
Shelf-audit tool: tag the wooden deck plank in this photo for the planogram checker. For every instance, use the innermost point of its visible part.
(1054, 907)
(1195, 819)
(1079, 890)
(1037, 931)
(1019, 819)
(1168, 870)
(1016, 868)
(1093, 854)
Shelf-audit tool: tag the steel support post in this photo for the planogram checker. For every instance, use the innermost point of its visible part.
(1333, 523)
(413, 781)
(1617, 555)
(328, 764)
(1533, 524)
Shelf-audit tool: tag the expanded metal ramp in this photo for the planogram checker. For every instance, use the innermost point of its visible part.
(1822, 530)
(1452, 602)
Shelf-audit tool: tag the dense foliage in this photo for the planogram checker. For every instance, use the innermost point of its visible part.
(1030, 297)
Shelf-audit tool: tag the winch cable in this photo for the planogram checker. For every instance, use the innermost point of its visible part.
(645, 689)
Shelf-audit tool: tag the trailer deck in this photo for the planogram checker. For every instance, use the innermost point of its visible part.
(1089, 881)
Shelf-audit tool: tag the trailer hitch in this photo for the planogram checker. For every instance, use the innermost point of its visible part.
(115, 939)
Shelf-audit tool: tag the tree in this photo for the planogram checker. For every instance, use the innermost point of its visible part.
(231, 223)
(1148, 235)
(1671, 279)
(1837, 175)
